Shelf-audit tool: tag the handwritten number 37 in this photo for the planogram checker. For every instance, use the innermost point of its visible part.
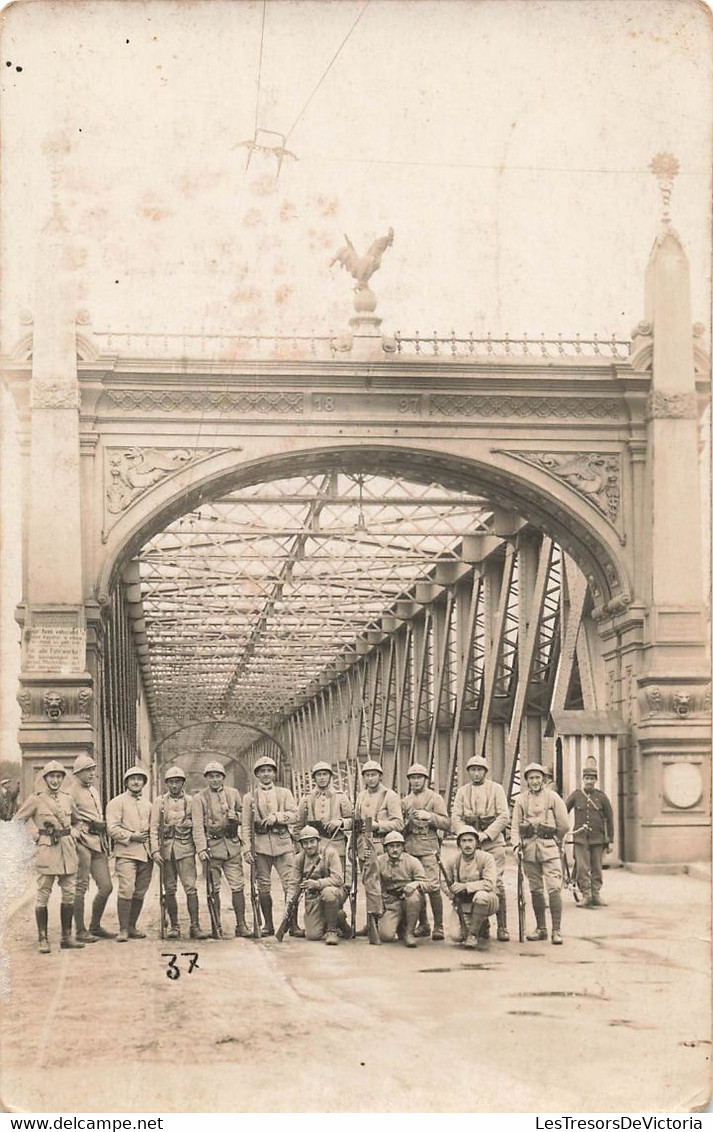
(172, 968)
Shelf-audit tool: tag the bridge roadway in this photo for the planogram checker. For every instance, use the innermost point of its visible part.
(616, 1020)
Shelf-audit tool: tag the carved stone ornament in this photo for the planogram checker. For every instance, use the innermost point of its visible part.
(593, 475)
(681, 703)
(24, 699)
(84, 699)
(132, 471)
(673, 405)
(654, 700)
(54, 395)
(543, 408)
(204, 401)
(54, 704)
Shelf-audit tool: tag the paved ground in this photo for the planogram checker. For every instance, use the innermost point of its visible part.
(615, 1020)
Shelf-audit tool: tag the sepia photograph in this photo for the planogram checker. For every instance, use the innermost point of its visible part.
(355, 539)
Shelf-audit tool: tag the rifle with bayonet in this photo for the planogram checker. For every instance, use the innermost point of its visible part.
(520, 896)
(372, 920)
(254, 892)
(212, 900)
(458, 908)
(161, 885)
(293, 905)
(353, 857)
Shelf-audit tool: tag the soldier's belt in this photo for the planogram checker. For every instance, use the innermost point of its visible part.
(544, 832)
(478, 823)
(97, 827)
(398, 893)
(278, 827)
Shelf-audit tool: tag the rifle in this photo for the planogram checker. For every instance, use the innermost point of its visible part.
(353, 859)
(212, 901)
(570, 875)
(294, 904)
(254, 893)
(465, 929)
(372, 924)
(520, 899)
(161, 886)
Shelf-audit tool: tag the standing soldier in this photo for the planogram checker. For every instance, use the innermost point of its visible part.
(173, 849)
(402, 880)
(216, 833)
(593, 833)
(53, 813)
(319, 873)
(8, 800)
(481, 805)
(327, 809)
(378, 805)
(92, 848)
(539, 821)
(270, 810)
(425, 815)
(128, 818)
(472, 880)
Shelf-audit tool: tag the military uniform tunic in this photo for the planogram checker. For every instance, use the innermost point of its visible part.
(215, 819)
(480, 876)
(126, 814)
(55, 816)
(273, 843)
(382, 806)
(539, 819)
(421, 834)
(92, 847)
(327, 869)
(593, 829)
(392, 878)
(171, 835)
(321, 807)
(484, 808)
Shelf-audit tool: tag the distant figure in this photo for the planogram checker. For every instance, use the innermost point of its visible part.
(592, 835)
(8, 799)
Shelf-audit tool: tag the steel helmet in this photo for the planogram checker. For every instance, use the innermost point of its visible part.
(265, 760)
(466, 829)
(308, 831)
(531, 767)
(321, 766)
(394, 838)
(214, 767)
(549, 773)
(136, 769)
(371, 764)
(476, 760)
(53, 767)
(417, 768)
(83, 762)
(174, 772)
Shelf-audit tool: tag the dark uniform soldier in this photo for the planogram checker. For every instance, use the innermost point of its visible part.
(473, 878)
(425, 817)
(326, 809)
(92, 848)
(382, 807)
(8, 799)
(127, 821)
(481, 805)
(270, 811)
(173, 849)
(402, 879)
(53, 813)
(215, 815)
(318, 872)
(539, 822)
(592, 835)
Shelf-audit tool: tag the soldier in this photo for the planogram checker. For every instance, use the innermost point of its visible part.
(402, 878)
(92, 848)
(382, 807)
(128, 818)
(425, 814)
(54, 814)
(539, 821)
(592, 835)
(481, 805)
(173, 850)
(326, 809)
(270, 810)
(8, 799)
(472, 880)
(215, 814)
(318, 872)
(549, 777)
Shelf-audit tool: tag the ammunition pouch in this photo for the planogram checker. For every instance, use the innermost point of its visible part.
(396, 892)
(232, 828)
(96, 827)
(56, 833)
(260, 827)
(479, 824)
(545, 832)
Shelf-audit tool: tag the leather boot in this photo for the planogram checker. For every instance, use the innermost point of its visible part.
(502, 918)
(437, 908)
(41, 917)
(597, 901)
(538, 907)
(410, 916)
(372, 928)
(556, 913)
(79, 927)
(136, 906)
(66, 914)
(331, 913)
(343, 929)
(172, 913)
(423, 929)
(193, 915)
(484, 932)
(95, 927)
(241, 928)
(268, 928)
(473, 939)
(123, 911)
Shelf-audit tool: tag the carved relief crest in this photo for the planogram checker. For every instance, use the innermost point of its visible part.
(54, 704)
(674, 405)
(132, 471)
(593, 475)
(54, 395)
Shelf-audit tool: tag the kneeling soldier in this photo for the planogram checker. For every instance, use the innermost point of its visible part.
(216, 832)
(128, 817)
(425, 814)
(377, 809)
(539, 821)
(481, 805)
(93, 850)
(270, 810)
(55, 815)
(318, 872)
(402, 882)
(173, 850)
(472, 879)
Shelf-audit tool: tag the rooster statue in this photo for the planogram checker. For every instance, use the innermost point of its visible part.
(362, 267)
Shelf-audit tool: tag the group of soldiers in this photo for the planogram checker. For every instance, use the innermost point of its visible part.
(394, 845)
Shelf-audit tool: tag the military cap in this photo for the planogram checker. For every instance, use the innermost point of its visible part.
(371, 764)
(394, 838)
(548, 772)
(476, 761)
(589, 772)
(264, 760)
(174, 772)
(532, 767)
(321, 766)
(465, 829)
(83, 762)
(136, 770)
(306, 832)
(53, 767)
(417, 768)
(214, 768)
